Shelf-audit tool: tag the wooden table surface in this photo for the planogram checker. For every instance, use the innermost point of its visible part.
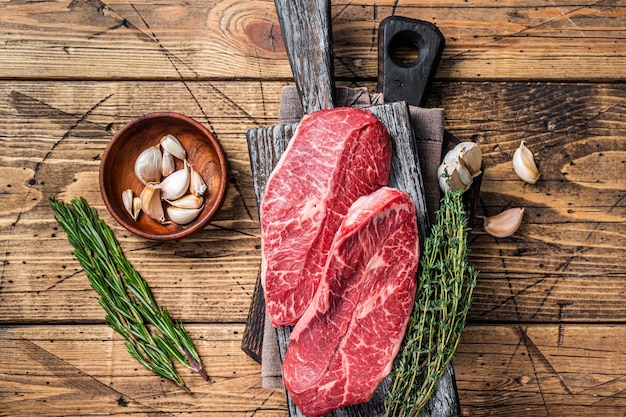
(548, 325)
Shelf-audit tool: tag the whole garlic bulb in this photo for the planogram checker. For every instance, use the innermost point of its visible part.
(460, 166)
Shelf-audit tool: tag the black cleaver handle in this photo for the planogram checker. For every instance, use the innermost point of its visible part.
(307, 34)
(399, 80)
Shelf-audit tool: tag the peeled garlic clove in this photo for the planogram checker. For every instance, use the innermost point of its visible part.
(176, 184)
(151, 202)
(182, 215)
(505, 223)
(524, 164)
(197, 186)
(148, 165)
(188, 201)
(171, 145)
(167, 164)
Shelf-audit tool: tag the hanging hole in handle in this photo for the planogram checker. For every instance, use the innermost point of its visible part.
(404, 48)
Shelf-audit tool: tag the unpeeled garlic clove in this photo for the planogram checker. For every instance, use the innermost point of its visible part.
(505, 223)
(130, 205)
(182, 215)
(171, 145)
(197, 186)
(176, 184)
(151, 202)
(472, 157)
(148, 165)
(524, 164)
(167, 164)
(136, 207)
(188, 201)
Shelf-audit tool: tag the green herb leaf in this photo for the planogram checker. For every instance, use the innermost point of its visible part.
(152, 336)
(443, 298)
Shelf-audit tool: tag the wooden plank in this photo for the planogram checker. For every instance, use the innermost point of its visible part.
(575, 214)
(54, 133)
(572, 370)
(510, 40)
(552, 370)
(71, 370)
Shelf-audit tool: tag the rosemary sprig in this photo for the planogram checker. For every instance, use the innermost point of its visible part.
(152, 336)
(443, 298)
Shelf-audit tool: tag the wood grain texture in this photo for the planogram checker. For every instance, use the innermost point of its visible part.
(568, 370)
(548, 322)
(61, 370)
(510, 40)
(307, 36)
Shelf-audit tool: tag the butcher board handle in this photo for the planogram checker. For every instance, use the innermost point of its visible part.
(398, 79)
(307, 34)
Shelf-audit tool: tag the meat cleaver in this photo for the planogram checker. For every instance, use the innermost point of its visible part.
(307, 35)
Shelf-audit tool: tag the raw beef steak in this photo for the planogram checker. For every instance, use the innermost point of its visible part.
(335, 157)
(345, 343)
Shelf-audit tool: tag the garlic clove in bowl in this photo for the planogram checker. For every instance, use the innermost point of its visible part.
(182, 216)
(148, 165)
(171, 145)
(175, 185)
(203, 151)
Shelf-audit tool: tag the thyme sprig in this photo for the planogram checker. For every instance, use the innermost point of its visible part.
(443, 297)
(152, 336)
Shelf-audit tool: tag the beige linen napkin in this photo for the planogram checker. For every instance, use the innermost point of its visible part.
(428, 129)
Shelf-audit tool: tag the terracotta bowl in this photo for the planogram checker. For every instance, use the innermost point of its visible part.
(117, 174)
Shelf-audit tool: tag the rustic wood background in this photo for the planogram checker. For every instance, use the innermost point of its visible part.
(547, 329)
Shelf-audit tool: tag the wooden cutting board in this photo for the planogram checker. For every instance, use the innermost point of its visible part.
(267, 145)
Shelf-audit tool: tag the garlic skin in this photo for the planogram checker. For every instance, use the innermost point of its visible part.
(524, 164)
(197, 186)
(170, 144)
(151, 202)
(188, 201)
(148, 165)
(167, 164)
(176, 184)
(471, 156)
(505, 223)
(182, 216)
(460, 166)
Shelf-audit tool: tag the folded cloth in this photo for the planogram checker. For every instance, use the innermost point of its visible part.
(428, 130)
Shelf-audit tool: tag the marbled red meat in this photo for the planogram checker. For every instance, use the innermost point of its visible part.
(335, 157)
(345, 342)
